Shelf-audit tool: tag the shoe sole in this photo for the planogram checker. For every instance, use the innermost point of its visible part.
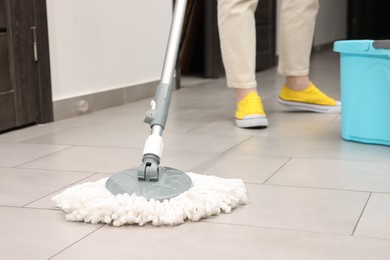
(311, 107)
(254, 121)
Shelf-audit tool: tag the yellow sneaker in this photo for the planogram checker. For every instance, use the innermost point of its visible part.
(309, 99)
(250, 112)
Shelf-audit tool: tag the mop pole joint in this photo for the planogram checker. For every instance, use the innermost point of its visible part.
(157, 118)
(149, 171)
(158, 114)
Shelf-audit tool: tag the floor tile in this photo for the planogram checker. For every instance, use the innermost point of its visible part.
(217, 241)
(37, 234)
(88, 159)
(136, 110)
(20, 186)
(121, 138)
(327, 211)
(29, 132)
(112, 160)
(95, 137)
(375, 220)
(213, 143)
(187, 120)
(312, 195)
(14, 154)
(312, 148)
(251, 169)
(227, 125)
(281, 125)
(96, 120)
(334, 174)
(47, 203)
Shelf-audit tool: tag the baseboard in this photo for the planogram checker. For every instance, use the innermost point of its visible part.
(76, 106)
(323, 47)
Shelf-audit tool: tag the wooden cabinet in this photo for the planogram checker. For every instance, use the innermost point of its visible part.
(265, 34)
(368, 19)
(7, 102)
(2, 16)
(25, 88)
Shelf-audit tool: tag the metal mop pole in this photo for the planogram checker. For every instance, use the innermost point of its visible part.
(157, 116)
(149, 179)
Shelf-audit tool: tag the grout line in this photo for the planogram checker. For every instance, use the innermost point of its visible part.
(234, 146)
(55, 170)
(25, 141)
(66, 148)
(318, 188)
(281, 229)
(31, 208)
(51, 193)
(203, 166)
(361, 215)
(199, 127)
(277, 170)
(72, 244)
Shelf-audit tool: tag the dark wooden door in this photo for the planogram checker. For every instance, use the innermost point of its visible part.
(7, 95)
(25, 89)
(265, 34)
(368, 19)
(202, 39)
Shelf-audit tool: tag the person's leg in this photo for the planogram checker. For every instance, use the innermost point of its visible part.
(237, 33)
(297, 24)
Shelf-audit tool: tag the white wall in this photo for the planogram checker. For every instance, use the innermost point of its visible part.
(331, 22)
(99, 45)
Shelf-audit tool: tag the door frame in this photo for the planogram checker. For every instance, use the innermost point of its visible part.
(45, 100)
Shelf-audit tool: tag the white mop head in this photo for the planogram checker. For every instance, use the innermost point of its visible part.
(92, 203)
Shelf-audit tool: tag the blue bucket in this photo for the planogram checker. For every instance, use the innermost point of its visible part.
(365, 90)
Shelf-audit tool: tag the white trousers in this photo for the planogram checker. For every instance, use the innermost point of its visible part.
(237, 33)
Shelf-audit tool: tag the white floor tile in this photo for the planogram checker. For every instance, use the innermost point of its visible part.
(332, 148)
(47, 203)
(375, 220)
(21, 186)
(97, 137)
(316, 210)
(112, 160)
(29, 132)
(37, 234)
(334, 174)
(14, 154)
(218, 241)
(251, 169)
(309, 190)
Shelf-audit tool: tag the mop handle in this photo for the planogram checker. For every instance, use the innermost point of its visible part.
(158, 115)
(173, 42)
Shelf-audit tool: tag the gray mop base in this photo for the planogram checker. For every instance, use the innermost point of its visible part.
(91, 202)
(171, 183)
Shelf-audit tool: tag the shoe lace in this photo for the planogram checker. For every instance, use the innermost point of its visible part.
(320, 95)
(252, 104)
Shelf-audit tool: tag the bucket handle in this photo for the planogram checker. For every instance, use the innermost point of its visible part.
(382, 44)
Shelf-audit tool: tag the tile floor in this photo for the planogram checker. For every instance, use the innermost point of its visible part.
(311, 194)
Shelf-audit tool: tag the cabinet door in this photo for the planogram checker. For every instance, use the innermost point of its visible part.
(2, 16)
(7, 93)
(368, 19)
(22, 61)
(265, 34)
(21, 72)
